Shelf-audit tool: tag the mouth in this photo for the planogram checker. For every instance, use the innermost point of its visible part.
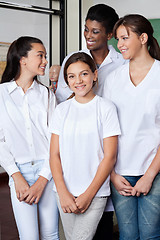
(43, 68)
(90, 43)
(81, 87)
(123, 50)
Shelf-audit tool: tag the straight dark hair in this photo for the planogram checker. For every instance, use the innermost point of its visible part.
(139, 24)
(18, 49)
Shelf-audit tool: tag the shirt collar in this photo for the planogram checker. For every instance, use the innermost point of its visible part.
(13, 85)
(112, 55)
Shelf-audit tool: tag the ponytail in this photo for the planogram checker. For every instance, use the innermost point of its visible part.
(154, 49)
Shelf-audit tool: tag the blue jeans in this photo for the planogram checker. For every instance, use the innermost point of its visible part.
(46, 211)
(138, 217)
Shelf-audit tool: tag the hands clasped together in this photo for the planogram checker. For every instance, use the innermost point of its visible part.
(26, 193)
(71, 204)
(142, 186)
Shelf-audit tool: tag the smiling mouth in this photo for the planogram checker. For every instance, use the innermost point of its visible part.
(90, 42)
(80, 87)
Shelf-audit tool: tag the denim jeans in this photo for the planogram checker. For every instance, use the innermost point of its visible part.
(138, 217)
(46, 210)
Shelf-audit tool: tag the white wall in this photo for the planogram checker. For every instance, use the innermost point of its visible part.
(148, 8)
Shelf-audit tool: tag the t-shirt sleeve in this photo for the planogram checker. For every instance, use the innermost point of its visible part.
(110, 120)
(55, 123)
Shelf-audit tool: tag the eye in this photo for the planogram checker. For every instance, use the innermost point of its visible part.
(70, 76)
(84, 74)
(86, 29)
(96, 31)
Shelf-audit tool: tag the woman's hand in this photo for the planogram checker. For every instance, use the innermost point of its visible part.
(121, 184)
(83, 201)
(21, 185)
(68, 204)
(34, 193)
(142, 186)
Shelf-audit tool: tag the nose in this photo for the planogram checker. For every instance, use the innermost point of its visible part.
(45, 60)
(78, 80)
(119, 44)
(88, 34)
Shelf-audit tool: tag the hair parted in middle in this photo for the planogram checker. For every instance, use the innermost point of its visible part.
(79, 57)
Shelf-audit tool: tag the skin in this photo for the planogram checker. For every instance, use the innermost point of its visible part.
(30, 66)
(97, 40)
(134, 48)
(80, 79)
(79, 74)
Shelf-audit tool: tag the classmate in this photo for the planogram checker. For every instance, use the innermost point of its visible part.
(83, 150)
(98, 29)
(26, 107)
(135, 89)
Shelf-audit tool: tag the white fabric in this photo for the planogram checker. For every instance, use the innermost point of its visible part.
(81, 129)
(24, 135)
(139, 114)
(111, 62)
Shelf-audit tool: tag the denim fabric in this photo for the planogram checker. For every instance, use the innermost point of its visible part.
(46, 210)
(138, 217)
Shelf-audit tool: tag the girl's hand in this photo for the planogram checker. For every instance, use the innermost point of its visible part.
(34, 193)
(142, 186)
(121, 184)
(67, 201)
(83, 202)
(21, 185)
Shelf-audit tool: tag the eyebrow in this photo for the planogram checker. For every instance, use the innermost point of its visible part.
(80, 71)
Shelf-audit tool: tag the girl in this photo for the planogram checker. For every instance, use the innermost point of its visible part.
(135, 90)
(83, 150)
(99, 23)
(24, 139)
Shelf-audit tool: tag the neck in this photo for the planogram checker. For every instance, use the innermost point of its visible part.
(141, 61)
(99, 55)
(24, 83)
(85, 99)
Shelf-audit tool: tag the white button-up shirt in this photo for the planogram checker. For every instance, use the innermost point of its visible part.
(24, 117)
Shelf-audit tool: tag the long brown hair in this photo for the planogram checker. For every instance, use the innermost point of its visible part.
(139, 24)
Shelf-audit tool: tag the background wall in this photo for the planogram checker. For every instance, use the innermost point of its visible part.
(148, 8)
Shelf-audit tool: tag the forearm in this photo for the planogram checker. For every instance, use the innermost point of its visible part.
(57, 173)
(102, 173)
(154, 167)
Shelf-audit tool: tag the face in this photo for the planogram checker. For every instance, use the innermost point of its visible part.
(95, 35)
(80, 79)
(54, 73)
(35, 63)
(129, 43)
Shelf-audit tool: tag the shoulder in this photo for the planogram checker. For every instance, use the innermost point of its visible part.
(64, 105)
(105, 103)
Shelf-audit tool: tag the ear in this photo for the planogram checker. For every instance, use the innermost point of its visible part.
(23, 61)
(95, 75)
(109, 36)
(144, 38)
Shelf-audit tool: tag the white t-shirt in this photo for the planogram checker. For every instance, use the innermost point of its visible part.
(81, 129)
(139, 115)
(24, 135)
(111, 62)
